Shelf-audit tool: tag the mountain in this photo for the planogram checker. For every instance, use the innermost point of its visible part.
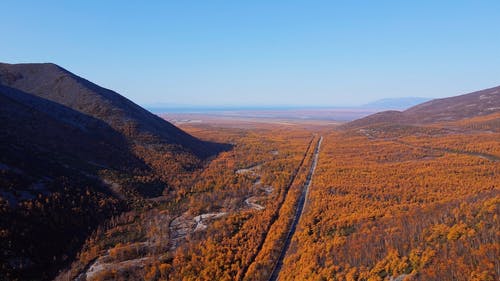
(52, 82)
(73, 154)
(396, 103)
(163, 148)
(30, 123)
(456, 108)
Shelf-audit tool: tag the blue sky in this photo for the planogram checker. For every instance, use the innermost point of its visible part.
(236, 53)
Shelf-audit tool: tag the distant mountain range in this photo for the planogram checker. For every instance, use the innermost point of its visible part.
(396, 103)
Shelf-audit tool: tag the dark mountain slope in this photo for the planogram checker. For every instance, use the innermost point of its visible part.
(475, 104)
(30, 123)
(50, 196)
(73, 154)
(54, 83)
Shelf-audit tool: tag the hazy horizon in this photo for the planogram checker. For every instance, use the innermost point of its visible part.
(376, 104)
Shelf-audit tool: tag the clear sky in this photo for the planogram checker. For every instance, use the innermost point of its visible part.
(213, 52)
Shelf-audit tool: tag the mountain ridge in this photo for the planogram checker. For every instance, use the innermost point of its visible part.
(52, 82)
(478, 103)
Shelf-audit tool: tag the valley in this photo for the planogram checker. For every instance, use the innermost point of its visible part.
(382, 204)
(250, 141)
(126, 195)
(241, 196)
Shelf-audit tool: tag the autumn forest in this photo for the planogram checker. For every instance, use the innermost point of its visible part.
(128, 195)
(388, 201)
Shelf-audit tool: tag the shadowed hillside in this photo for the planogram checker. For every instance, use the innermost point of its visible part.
(54, 83)
(72, 154)
(33, 123)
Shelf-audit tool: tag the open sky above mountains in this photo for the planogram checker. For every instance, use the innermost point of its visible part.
(227, 53)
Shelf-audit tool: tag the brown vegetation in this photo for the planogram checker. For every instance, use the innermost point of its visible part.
(413, 202)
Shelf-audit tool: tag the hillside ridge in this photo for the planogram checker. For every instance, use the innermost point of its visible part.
(479, 103)
(52, 82)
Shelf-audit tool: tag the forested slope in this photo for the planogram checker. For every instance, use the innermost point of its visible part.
(73, 154)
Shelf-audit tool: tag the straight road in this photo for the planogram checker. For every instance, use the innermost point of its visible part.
(298, 214)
